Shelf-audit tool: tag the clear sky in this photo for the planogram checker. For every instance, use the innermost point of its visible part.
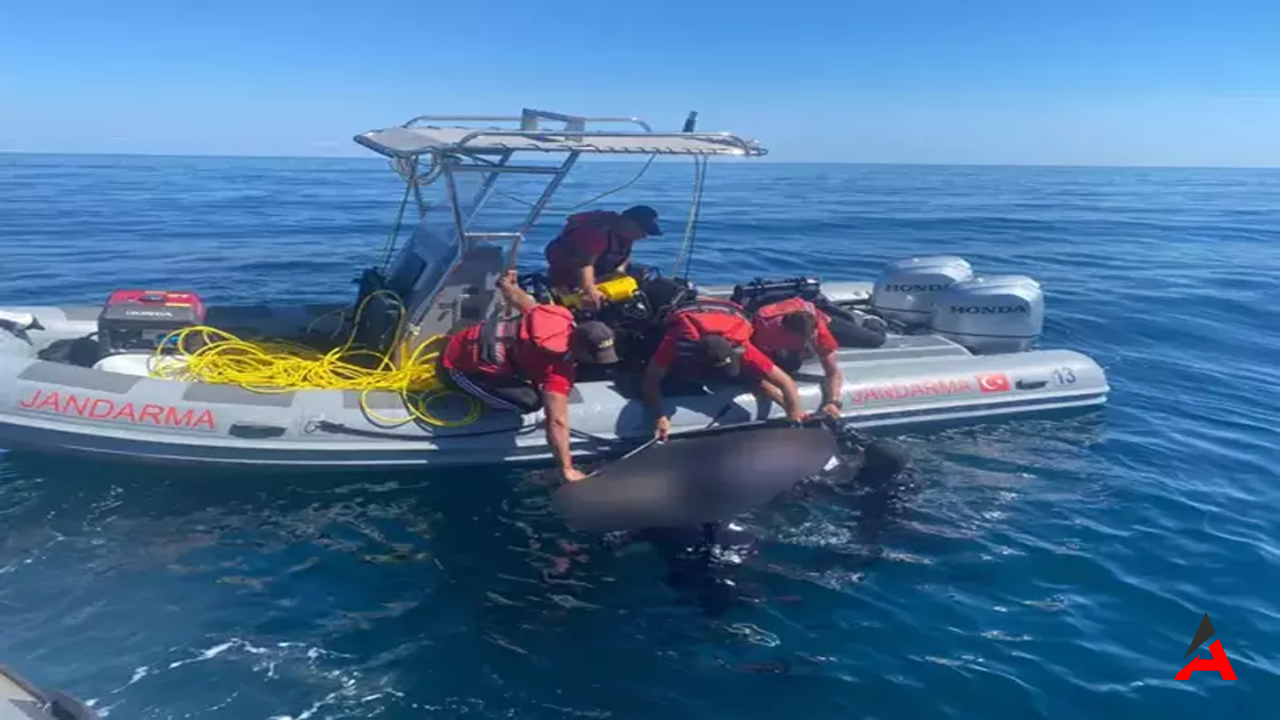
(1146, 82)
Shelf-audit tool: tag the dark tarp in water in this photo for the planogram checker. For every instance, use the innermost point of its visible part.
(687, 481)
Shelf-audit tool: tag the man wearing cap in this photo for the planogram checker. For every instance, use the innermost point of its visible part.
(526, 363)
(595, 245)
(709, 340)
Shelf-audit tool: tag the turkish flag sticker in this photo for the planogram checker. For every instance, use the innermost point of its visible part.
(993, 382)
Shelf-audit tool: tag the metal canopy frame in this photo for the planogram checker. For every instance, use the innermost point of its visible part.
(421, 136)
(453, 148)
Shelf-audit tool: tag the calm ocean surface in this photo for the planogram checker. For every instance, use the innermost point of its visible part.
(1033, 570)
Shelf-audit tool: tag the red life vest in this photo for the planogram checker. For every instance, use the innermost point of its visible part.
(773, 338)
(490, 348)
(560, 251)
(709, 317)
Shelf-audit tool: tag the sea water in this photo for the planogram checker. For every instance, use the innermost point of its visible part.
(1028, 569)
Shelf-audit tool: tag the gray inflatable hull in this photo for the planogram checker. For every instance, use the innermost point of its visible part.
(911, 383)
(20, 700)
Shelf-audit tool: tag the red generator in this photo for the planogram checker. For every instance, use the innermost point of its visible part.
(138, 320)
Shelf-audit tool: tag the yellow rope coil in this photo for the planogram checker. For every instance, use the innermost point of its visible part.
(277, 366)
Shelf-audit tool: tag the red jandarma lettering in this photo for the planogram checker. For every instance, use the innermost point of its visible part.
(107, 409)
(987, 383)
(902, 391)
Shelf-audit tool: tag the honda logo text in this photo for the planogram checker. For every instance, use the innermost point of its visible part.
(915, 288)
(989, 310)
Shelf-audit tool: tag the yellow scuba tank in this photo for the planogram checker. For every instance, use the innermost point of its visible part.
(615, 290)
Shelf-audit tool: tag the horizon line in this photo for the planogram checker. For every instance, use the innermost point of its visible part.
(765, 160)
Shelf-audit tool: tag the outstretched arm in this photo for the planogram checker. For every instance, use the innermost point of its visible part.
(592, 298)
(832, 385)
(790, 393)
(587, 276)
(651, 390)
(773, 392)
(509, 286)
(759, 365)
(557, 411)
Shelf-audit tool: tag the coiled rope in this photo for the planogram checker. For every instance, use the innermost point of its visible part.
(275, 366)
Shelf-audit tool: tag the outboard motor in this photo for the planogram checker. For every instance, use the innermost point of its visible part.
(907, 289)
(991, 313)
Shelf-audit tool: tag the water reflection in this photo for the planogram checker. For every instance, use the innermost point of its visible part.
(161, 592)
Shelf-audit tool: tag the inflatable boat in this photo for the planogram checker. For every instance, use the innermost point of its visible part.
(930, 340)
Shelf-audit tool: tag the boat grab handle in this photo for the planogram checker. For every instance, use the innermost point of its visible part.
(255, 431)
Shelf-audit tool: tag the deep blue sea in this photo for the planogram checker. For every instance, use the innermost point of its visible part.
(1039, 569)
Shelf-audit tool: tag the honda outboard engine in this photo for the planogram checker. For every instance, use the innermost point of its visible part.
(907, 289)
(991, 313)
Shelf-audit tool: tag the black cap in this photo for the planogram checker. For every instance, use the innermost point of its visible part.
(597, 340)
(720, 354)
(645, 217)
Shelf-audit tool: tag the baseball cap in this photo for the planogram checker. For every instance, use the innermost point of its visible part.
(719, 353)
(645, 217)
(597, 339)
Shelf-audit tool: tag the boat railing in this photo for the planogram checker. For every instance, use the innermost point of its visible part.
(453, 145)
(474, 238)
(608, 141)
(491, 236)
(529, 118)
(448, 135)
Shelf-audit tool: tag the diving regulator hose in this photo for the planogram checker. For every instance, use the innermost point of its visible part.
(280, 366)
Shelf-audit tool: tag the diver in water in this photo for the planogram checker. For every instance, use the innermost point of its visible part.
(700, 559)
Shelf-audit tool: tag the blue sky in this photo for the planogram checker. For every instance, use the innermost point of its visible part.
(1121, 82)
